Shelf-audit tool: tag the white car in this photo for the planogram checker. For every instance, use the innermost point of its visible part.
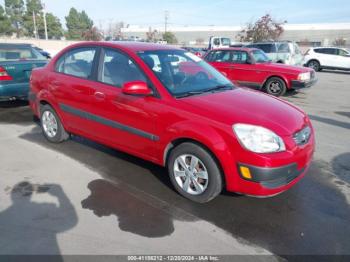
(328, 58)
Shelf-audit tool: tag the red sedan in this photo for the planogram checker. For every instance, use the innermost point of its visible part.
(136, 97)
(252, 68)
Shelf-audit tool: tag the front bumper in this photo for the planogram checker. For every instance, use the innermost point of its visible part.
(297, 84)
(271, 178)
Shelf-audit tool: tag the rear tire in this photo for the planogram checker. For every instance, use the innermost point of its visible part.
(51, 125)
(194, 172)
(275, 86)
(315, 65)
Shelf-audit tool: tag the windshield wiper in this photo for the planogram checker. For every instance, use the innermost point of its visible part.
(209, 90)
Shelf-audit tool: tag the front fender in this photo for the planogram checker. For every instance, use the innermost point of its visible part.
(208, 136)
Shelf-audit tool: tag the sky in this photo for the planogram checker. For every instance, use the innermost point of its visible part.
(203, 12)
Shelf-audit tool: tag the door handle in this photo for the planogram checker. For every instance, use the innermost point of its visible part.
(99, 95)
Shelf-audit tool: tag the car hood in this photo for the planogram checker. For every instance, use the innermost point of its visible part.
(242, 105)
(284, 68)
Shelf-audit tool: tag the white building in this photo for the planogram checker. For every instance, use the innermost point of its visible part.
(317, 34)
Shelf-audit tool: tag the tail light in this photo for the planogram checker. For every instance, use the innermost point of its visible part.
(307, 52)
(4, 76)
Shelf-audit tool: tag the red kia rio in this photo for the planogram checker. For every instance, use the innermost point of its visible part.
(138, 98)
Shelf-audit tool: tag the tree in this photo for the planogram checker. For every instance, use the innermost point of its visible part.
(54, 26)
(265, 28)
(77, 24)
(169, 37)
(339, 41)
(152, 35)
(33, 7)
(92, 34)
(5, 23)
(15, 10)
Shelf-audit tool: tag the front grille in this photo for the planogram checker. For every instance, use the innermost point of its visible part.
(303, 136)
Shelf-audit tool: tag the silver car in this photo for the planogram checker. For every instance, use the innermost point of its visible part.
(281, 52)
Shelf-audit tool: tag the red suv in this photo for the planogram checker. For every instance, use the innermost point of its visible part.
(251, 67)
(136, 97)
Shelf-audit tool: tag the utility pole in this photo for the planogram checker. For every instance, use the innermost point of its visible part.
(45, 26)
(35, 29)
(166, 19)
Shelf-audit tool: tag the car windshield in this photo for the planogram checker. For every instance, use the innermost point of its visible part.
(183, 73)
(9, 53)
(226, 41)
(260, 57)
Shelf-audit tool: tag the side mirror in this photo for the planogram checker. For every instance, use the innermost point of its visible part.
(136, 88)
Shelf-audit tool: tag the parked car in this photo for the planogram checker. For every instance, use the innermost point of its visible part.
(328, 58)
(16, 64)
(208, 133)
(281, 52)
(195, 50)
(43, 52)
(251, 67)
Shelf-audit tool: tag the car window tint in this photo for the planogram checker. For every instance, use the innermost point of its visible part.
(329, 51)
(77, 63)
(219, 56)
(283, 48)
(342, 52)
(267, 48)
(117, 69)
(19, 53)
(239, 57)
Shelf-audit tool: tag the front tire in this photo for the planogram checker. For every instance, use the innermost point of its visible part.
(194, 173)
(275, 86)
(51, 125)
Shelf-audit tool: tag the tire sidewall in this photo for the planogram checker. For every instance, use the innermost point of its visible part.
(58, 137)
(316, 63)
(214, 174)
(282, 84)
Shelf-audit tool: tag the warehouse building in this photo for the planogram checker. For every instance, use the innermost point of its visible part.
(307, 34)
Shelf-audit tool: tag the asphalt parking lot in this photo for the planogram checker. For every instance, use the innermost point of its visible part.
(80, 197)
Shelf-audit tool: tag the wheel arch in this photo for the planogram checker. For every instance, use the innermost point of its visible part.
(178, 141)
(284, 79)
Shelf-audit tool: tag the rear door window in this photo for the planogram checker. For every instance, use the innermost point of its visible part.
(219, 56)
(77, 62)
(239, 57)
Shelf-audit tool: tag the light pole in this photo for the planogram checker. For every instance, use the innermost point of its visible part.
(45, 26)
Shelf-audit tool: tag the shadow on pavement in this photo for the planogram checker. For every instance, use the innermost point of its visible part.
(133, 215)
(330, 121)
(36, 224)
(311, 218)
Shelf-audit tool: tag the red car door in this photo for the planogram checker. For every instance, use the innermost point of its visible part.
(71, 86)
(221, 60)
(125, 121)
(244, 70)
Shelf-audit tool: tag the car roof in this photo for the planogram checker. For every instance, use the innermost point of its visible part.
(129, 45)
(247, 49)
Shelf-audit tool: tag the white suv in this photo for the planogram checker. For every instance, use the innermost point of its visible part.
(328, 58)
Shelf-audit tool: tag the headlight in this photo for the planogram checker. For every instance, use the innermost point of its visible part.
(304, 76)
(258, 139)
